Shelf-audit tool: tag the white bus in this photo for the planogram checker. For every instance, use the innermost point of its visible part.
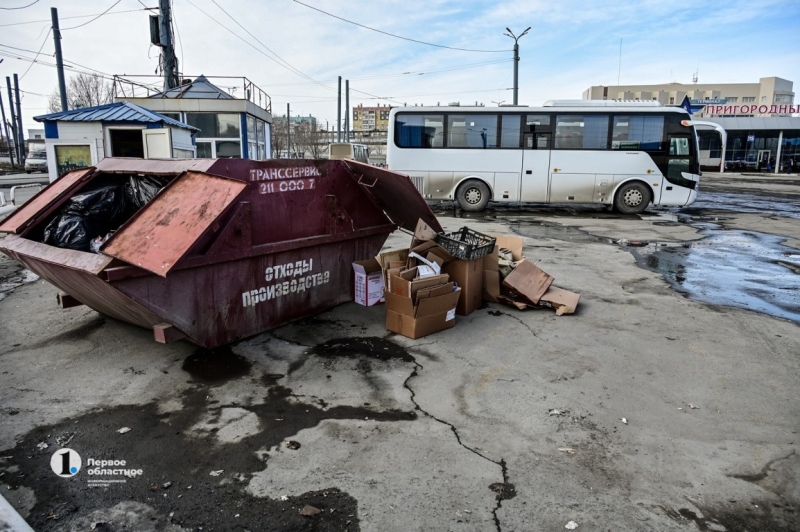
(348, 150)
(622, 154)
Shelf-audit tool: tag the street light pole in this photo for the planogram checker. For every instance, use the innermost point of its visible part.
(516, 59)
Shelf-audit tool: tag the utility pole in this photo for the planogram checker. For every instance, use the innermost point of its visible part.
(5, 127)
(13, 117)
(62, 86)
(347, 110)
(21, 147)
(339, 113)
(288, 134)
(516, 60)
(170, 60)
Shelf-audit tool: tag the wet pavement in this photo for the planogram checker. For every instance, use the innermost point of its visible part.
(332, 423)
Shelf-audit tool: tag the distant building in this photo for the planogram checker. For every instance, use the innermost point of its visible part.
(368, 119)
(769, 97)
(229, 126)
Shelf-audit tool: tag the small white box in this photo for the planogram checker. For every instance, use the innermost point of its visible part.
(368, 283)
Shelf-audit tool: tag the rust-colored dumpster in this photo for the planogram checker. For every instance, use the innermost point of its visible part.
(227, 249)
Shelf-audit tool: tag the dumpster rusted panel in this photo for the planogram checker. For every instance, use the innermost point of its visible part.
(126, 165)
(394, 194)
(158, 236)
(45, 201)
(75, 273)
(231, 300)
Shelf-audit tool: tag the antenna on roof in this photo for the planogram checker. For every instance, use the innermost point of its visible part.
(696, 72)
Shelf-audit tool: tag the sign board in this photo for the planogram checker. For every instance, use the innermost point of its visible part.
(751, 138)
(708, 101)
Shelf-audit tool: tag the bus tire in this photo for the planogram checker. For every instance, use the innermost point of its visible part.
(632, 198)
(473, 195)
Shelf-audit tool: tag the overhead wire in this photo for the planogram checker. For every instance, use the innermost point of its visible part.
(69, 18)
(95, 18)
(20, 7)
(37, 53)
(396, 36)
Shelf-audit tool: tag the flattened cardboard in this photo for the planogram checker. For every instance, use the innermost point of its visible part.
(368, 283)
(563, 301)
(435, 291)
(423, 248)
(468, 274)
(423, 231)
(529, 280)
(391, 259)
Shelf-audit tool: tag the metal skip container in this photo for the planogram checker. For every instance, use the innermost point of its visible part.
(227, 249)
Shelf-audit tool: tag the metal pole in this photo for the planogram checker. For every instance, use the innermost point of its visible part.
(288, 134)
(62, 86)
(167, 45)
(339, 113)
(347, 110)
(5, 127)
(516, 72)
(13, 116)
(21, 158)
(778, 155)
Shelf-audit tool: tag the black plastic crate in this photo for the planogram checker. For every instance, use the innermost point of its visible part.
(466, 244)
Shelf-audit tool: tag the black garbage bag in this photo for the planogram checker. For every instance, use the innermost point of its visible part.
(73, 231)
(141, 189)
(107, 205)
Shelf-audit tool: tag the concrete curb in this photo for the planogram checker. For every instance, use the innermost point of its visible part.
(10, 519)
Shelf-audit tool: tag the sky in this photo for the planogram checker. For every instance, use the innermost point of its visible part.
(294, 52)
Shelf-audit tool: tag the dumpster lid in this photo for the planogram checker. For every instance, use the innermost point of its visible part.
(45, 201)
(165, 229)
(395, 195)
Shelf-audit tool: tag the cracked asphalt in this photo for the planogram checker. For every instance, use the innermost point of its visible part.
(510, 421)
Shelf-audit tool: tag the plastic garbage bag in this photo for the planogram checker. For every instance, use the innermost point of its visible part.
(97, 242)
(107, 205)
(140, 190)
(73, 231)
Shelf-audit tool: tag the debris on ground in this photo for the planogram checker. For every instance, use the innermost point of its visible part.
(557, 412)
(568, 450)
(166, 485)
(624, 420)
(309, 510)
(284, 498)
(572, 525)
(217, 472)
(293, 445)
(123, 430)
(42, 446)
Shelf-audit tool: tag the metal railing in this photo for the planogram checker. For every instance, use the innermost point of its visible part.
(144, 86)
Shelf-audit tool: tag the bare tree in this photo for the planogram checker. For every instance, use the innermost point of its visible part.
(83, 90)
(278, 136)
(308, 140)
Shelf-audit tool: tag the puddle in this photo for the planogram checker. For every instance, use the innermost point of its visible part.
(215, 366)
(745, 203)
(538, 230)
(743, 269)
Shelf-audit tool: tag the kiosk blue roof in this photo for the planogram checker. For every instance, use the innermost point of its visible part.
(118, 112)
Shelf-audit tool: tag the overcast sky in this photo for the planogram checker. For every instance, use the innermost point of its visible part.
(571, 46)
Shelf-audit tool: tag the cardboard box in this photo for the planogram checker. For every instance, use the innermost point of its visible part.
(468, 274)
(396, 258)
(491, 272)
(431, 314)
(368, 289)
(406, 284)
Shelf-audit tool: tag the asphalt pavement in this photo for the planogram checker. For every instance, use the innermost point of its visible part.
(657, 406)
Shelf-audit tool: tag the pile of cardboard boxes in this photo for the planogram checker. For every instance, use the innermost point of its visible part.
(425, 286)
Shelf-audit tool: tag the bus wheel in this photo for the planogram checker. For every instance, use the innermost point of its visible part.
(473, 196)
(632, 198)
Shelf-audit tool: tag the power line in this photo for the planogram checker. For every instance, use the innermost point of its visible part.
(282, 62)
(37, 53)
(68, 18)
(21, 7)
(396, 36)
(95, 18)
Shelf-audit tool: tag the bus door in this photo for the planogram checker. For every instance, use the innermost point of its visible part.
(537, 143)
